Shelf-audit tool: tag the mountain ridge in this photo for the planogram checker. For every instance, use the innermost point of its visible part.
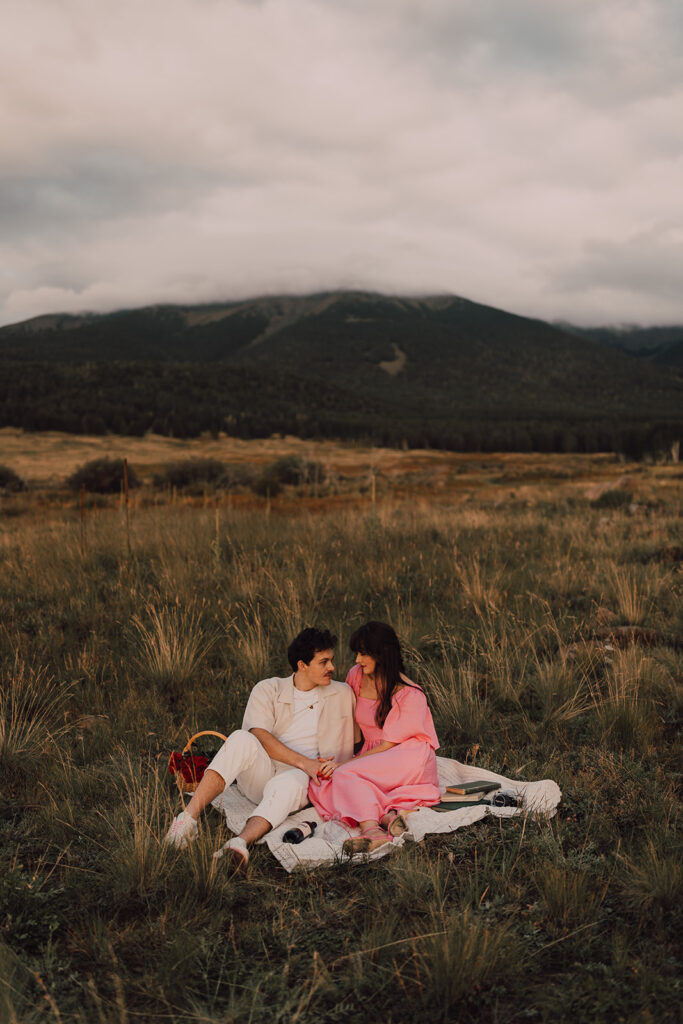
(658, 344)
(420, 366)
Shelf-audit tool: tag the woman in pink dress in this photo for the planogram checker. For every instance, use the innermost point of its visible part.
(395, 770)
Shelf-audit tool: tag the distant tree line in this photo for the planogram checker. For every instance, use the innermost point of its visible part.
(186, 400)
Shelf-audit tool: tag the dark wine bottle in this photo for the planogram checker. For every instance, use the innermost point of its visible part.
(301, 832)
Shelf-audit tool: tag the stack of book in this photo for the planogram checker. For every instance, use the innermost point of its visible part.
(467, 794)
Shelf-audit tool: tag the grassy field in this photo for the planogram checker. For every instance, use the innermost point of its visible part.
(508, 585)
(45, 460)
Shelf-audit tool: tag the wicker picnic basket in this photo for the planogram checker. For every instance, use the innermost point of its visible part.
(188, 786)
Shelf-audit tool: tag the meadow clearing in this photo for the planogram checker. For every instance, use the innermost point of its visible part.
(510, 581)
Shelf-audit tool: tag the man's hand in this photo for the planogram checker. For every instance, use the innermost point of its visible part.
(315, 768)
(277, 751)
(311, 766)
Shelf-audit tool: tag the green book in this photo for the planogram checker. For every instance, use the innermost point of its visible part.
(455, 805)
(467, 788)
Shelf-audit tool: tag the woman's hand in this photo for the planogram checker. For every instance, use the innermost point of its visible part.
(326, 767)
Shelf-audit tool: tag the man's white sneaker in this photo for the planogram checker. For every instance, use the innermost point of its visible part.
(237, 852)
(182, 831)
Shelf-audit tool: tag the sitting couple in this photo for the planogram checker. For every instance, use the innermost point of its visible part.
(297, 742)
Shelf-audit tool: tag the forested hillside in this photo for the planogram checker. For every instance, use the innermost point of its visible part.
(660, 345)
(440, 371)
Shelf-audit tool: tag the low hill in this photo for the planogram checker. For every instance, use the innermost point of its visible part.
(424, 370)
(660, 345)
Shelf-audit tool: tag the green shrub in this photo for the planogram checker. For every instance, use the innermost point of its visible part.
(190, 475)
(193, 476)
(614, 498)
(10, 481)
(290, 471)
(102, 476)
(265, 485)
(237, 475)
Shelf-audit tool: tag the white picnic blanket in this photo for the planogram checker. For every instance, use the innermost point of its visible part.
(325, 845)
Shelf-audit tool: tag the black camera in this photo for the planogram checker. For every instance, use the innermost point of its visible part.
(504, 799)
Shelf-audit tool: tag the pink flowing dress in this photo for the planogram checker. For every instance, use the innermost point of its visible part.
(403, 777)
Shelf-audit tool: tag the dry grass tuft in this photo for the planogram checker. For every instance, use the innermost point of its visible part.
(633, 593)
(454, 692)
(172, 645)
(563, 693)
(652, 882)
(13, 985)
(458, 955)
(572, 896)
(31, 714)
(480, 588)
(138, 860)
(252, 646)
(626, 716)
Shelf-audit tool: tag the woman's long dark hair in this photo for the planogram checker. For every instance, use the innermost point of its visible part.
(380, 642)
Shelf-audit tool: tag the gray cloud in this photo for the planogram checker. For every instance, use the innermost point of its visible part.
(648, 264)
(81, 189)
(189, 150)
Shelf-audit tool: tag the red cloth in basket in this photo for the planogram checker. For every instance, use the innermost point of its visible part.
(191, 767)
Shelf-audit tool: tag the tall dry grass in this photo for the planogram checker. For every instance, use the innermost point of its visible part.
(627, 717)
(172, 643)
(459, 955)
(501, 611)
(32, 721)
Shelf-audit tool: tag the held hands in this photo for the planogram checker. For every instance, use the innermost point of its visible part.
(311, 766)
(326, 765)
(320, 767)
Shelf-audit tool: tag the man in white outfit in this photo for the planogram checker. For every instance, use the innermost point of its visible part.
(293, 730)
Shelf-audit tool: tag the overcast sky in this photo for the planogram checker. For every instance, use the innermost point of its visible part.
(523, 153)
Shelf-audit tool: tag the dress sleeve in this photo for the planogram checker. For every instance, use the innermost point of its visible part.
(410, 718)
(354, 678)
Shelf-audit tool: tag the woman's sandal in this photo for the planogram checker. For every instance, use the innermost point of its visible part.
(394, 823)
(369, 840)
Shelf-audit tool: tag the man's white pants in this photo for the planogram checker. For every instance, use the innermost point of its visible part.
(278, 790)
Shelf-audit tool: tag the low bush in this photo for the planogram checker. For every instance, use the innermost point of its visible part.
(615, 498)
(194, 476)
(102, 476)
(190, 473)
(266, 486)
(10, 481)
(237, 475)
(290, 471)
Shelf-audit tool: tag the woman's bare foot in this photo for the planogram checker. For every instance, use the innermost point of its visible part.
(372, 837)
(394, 823)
